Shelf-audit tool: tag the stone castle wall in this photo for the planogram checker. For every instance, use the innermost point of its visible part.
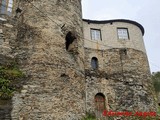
(55, 89)
(125, 81)
(123, 74)
(46, 41)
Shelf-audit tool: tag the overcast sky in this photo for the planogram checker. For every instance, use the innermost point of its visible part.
(145, 12)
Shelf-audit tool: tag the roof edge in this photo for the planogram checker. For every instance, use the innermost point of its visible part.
(116, 20)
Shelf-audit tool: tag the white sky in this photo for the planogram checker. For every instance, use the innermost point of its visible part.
(145, 12)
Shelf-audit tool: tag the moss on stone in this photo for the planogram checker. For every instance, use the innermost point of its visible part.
(89, 116)
(8, 74)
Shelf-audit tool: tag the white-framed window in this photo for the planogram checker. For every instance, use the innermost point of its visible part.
(6, 7)
(123, 33)
(10, 5)
(95, 34)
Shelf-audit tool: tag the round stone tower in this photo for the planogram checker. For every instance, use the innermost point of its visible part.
(50, 53)
(116, 67)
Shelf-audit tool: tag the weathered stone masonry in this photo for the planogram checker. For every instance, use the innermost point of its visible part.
(55, 89)
(122, 77)
(53, 47)
(124, 82)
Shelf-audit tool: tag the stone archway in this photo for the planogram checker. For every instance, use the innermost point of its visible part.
(100, 102)
(100, 105)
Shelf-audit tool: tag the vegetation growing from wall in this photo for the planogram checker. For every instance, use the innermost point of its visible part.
(89, 116)
(9, 74)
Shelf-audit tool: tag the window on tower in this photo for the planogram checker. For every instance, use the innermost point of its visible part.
(123, 33)
(94, 63)
(95, 34)
(6, 7)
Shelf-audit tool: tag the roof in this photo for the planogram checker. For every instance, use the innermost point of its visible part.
(116, 20)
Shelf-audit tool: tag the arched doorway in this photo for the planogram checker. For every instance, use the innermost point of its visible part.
(99, 105)
(100, 102)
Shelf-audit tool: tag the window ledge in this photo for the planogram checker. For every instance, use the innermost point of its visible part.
(3, 19)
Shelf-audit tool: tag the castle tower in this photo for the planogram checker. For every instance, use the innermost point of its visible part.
(50, 53)
(116, 67)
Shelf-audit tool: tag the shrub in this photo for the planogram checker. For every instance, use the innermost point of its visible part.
(8, 74)
(89, 116)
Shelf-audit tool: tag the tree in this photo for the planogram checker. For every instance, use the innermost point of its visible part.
(156, 81)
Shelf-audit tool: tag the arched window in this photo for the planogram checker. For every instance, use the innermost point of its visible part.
(94, 63)
(100, 102)
(69, 40)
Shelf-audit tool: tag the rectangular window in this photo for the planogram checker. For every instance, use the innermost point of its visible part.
(95, 34)
(123, 33)
(3, 6)
(10, 5)
(1, 37)
(6, 6)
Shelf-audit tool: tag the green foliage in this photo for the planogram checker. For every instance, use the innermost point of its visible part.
(156, 81)
(13, 73)
(158, 112)
(89, 116)
(5, 91)
(8, 74)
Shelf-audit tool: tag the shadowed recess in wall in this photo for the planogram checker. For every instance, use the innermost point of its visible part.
(5, 109)
(69, 40)
(11, 80)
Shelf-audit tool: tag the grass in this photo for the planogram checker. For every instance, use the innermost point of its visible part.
(89, 116)
(10, 72)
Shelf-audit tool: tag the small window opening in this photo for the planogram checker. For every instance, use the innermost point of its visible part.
(123, 33)
(123, 51)
(94, 63)
(100, 102)
(69, 40)
(96, 34)
(1, 37)
(18, 10)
